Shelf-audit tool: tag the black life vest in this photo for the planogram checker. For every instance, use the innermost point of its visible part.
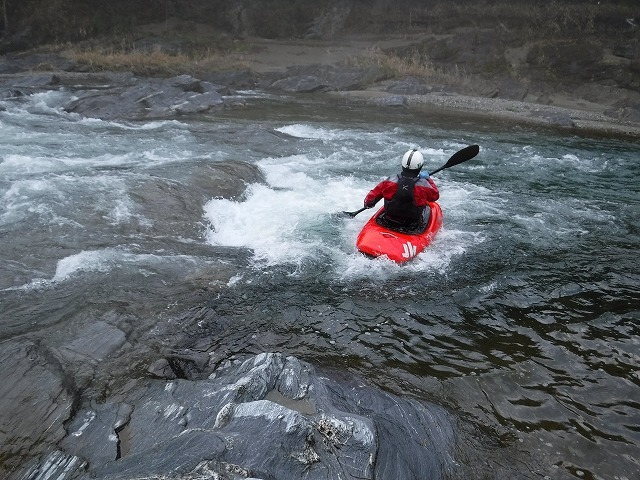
(402, 208)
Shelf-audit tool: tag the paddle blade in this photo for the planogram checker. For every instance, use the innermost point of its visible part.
(463, 155)
(460, 156)
(353, 214)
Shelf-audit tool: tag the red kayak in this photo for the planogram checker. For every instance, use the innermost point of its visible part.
(376, 240)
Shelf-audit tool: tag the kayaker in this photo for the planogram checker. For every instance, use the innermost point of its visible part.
(405, 195)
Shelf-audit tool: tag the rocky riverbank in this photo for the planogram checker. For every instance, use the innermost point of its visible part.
(269, 416)
(316, 67)
(128, 97)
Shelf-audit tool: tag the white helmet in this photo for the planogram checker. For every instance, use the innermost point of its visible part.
(412, 160)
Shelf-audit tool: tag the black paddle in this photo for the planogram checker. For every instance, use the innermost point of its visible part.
(467, 153)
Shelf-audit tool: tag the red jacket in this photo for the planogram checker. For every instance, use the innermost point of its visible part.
(425, 190)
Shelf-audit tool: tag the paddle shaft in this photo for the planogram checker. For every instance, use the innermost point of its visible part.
(457, 158)
(353, 214)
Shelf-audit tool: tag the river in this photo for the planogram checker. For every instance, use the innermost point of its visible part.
(522, 317)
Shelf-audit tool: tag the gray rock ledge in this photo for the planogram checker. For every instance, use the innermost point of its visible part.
(268, 417)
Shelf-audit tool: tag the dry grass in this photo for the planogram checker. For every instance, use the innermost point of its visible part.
(166, 49)
(414, 65)
(156, 62)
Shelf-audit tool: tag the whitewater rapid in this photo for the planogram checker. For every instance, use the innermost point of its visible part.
(225, 229)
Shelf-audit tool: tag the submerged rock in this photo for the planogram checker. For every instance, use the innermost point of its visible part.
(269, 416)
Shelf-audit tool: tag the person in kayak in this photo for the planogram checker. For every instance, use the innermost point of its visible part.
(405, 195)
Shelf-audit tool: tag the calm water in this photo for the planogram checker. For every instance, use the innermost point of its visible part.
(522, 317)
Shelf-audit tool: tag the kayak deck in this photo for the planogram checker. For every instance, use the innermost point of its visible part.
(375, 240)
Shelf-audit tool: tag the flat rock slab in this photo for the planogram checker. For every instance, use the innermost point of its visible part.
(151, 99)
(30, 376)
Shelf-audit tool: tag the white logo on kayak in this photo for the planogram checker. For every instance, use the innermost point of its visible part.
(409, 250)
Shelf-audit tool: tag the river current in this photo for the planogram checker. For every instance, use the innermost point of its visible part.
(522, 317)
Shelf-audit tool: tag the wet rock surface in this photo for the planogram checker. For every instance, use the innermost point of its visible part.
(152, 99)
(268, 416)
(30, 376)
(124, 96)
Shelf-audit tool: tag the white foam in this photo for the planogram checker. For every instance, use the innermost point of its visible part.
(89, 261)
(18, 164)
(269, 222)
(350, 137)
(293, 221)
(122, 212)
(106, 260)
(308, 131)
(47, 104)
(48, 195)
(152, 125)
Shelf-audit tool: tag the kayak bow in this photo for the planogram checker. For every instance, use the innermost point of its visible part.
(375, 240)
